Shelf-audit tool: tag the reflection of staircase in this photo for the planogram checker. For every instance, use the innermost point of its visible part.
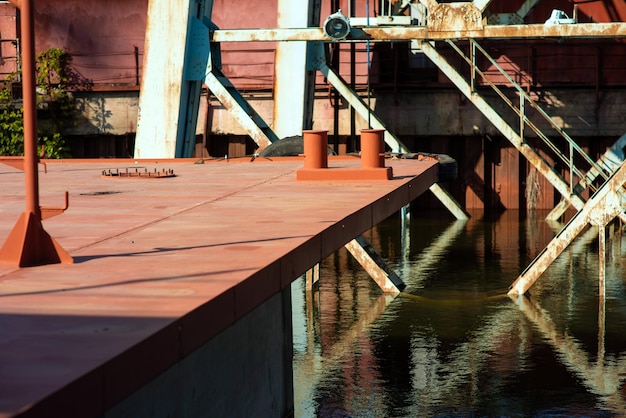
(234, 102)
(565, 152)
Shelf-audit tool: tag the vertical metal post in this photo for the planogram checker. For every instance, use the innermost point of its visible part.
(601, 261)
(522, 110)
(367, 51)
(473, 67)
(28, 244)
(30, 108)
(571, 168)
(353, 147)
(137, 82)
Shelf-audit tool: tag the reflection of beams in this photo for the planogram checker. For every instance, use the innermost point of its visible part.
(600, 379)
(310, 370)
(463, 363)
(435, 252)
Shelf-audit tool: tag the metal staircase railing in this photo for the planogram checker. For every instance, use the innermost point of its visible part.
(570, 191)
(510, 133)
(524, 120)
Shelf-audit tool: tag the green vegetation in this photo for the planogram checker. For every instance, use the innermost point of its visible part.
(56, 109)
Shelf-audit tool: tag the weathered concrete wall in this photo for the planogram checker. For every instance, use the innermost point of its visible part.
(424, 114)
(438, 112)
(246, 371)
(106, 113)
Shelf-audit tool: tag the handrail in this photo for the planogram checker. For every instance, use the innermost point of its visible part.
(547, 117)
(524, 119)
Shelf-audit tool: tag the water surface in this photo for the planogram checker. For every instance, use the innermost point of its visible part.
(453, 343)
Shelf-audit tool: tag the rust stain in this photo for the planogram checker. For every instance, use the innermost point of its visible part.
(454, 16)
(461, 23)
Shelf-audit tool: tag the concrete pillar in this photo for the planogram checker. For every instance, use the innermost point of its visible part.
(175, 58)
(245, 371)
(162, 82)
(291, 85)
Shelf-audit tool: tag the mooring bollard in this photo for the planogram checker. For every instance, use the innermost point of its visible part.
(315, 149)
(372, 148)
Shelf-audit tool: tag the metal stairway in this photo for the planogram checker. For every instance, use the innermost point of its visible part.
(599, 210)
(239, 108)
(571, 194)
(609, 161)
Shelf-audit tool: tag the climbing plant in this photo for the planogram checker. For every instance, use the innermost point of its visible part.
(56, 109)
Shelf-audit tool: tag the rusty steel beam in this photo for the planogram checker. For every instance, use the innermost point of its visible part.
(376, 267)
(248, 118)
(449, 202)
(393, 33)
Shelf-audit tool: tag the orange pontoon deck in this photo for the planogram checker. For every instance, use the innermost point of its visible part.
(162, 265)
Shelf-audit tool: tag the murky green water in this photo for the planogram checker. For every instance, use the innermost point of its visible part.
(453, 344)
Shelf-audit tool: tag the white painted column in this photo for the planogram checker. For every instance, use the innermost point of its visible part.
(290, 71)
(162, 81)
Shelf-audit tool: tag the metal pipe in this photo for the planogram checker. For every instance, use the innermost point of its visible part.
(30, 107)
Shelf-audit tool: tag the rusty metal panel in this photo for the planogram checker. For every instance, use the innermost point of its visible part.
(384, 34)
(454, 16)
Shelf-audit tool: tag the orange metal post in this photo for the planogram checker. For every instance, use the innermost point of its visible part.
(315, 149)
(28, 244)
(372, 148)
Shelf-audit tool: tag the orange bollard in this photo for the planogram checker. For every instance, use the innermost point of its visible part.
(372, 148)
(315, 149)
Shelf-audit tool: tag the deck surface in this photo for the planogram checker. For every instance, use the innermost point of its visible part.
(165, 263)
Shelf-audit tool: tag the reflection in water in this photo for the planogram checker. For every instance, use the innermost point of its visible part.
(453, 343)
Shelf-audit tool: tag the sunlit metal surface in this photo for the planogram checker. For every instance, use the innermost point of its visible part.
(533, 31)
(601, 209)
